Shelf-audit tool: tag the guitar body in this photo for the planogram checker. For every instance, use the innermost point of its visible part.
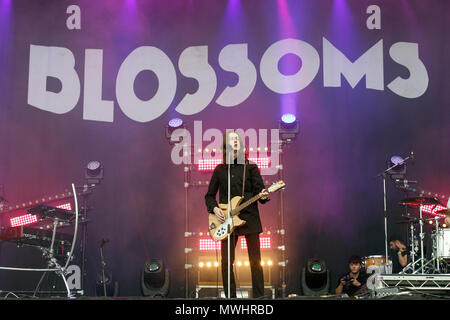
(219, 230)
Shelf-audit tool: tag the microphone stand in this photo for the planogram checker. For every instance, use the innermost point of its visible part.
(103, 265)
(383, 175)
(228, 227)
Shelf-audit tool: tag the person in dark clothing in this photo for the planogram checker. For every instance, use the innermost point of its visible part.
(354, 281)
(240, 167)
(399, 255)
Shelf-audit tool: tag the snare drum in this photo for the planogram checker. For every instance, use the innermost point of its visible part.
(374, 261)
(443, 244)
(375, 264)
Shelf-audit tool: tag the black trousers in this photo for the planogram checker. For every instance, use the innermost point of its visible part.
(254, 255)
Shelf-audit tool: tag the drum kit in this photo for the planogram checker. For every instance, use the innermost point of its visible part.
(420, 263)
(437, 261)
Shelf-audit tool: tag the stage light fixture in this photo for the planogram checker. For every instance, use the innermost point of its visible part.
(315, 278)
(155, 279)
(94, 172)
(172, 125)
(397, 173)
(316, 266)
(288, 118)
(175, 122)
(288, 127)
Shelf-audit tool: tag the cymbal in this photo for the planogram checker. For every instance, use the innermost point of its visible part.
(417, 201)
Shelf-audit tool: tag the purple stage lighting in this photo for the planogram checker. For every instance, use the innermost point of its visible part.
(288, 118)
(175, 122)
(288, 127)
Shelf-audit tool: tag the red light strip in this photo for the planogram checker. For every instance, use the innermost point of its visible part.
(65, 206)
(29, 218)
(208, 244)
(211, 164)
(208, 164)
(23, 220)
(432, 209)
(264, 243)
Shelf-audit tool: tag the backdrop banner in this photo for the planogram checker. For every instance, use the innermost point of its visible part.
(100, 80)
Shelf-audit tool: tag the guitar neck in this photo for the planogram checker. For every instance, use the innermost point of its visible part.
(245, 204)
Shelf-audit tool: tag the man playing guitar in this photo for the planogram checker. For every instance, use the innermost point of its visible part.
(246, 181)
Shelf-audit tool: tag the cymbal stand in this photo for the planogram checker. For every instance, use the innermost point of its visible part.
(413, 249)
(421, 236)
(413, 262)
(435, 248)
(435, 258)
(413, 244)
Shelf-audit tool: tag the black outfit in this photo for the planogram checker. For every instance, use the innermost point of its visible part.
(396, 266)
(251, 229)
(351, 289)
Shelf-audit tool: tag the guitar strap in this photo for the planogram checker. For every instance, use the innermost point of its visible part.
(243, 179)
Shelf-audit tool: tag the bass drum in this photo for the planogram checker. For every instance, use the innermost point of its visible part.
(443, 244)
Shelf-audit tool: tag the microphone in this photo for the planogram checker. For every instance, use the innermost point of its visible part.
(103, 242)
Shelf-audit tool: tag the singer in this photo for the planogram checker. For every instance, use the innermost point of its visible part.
(246, 181)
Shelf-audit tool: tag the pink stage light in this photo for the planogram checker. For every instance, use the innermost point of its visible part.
(264, 243)
(23, 220)
(262, 163)
(208, 164)
(65, 206)
(211, 164)
(208, 244)
(432, 209)
(26, 219)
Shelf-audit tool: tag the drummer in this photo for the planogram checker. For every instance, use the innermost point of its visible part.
(399, 254)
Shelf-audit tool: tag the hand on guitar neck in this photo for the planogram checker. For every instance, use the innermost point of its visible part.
(264, 194)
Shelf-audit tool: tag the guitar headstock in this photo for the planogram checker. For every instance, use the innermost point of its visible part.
(276, 186)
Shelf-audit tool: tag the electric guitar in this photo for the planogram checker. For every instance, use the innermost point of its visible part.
(219, 230)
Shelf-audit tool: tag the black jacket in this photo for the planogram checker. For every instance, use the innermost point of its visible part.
(253, 185)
